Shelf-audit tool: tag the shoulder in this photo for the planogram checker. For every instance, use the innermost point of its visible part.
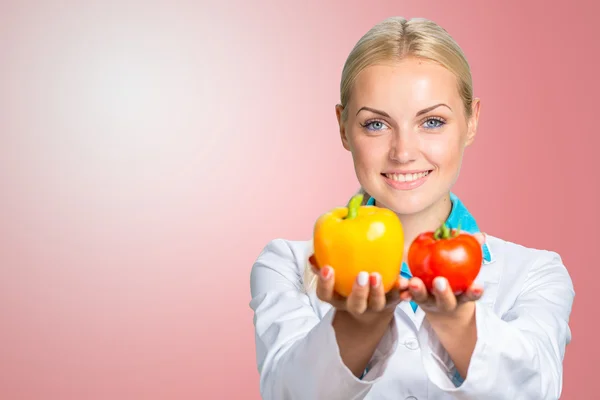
(519, 257)
(281, 252)
(281, 260)
(520, 271)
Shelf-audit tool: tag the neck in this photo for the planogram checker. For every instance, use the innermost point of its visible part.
(427, 220)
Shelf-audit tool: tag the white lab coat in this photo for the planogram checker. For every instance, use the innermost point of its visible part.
(522, 327)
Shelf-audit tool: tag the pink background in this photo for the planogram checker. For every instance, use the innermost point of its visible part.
(149, 150)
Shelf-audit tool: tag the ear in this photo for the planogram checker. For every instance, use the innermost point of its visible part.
(473, 121)
(338, 112)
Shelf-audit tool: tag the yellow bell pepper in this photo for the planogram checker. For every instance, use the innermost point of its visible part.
(359, 238)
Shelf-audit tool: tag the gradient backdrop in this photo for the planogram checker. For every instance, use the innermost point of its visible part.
(149, 150)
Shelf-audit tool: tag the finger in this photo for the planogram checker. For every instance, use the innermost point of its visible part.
(474, 293)
(404, 290)
(357, 301)
(403, 284)
(445, 300)
(376, 294)
(417, 290)
(480, 236)
(325, 284)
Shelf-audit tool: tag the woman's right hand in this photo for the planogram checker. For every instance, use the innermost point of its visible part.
(367, 303)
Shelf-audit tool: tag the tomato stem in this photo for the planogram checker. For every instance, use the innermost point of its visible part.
(457, 231)
(443, 232)
(353, 205)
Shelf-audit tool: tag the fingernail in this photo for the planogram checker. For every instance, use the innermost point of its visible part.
(374, 280)
(362, 278)
(477, 292)
(414, 286)
(311, 260)
(326, 273)
(440, 284)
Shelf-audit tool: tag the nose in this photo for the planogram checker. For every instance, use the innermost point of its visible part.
(404, 147)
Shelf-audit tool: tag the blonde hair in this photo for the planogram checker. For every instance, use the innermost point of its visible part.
(394, 39)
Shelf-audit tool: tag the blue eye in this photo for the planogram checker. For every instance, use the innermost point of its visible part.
(374, 125)
(433, 123)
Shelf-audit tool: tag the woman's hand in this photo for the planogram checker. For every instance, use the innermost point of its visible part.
(367, 303)
(442, 302)
(361, 319)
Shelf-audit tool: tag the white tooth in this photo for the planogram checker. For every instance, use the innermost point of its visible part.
(407, 177)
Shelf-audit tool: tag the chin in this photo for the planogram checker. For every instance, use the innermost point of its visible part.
(405, 203)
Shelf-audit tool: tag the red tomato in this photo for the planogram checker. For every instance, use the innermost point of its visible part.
(454, 255)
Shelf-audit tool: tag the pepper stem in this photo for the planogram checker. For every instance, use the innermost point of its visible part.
(353, 205)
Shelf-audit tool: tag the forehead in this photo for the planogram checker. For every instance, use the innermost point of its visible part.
(411, 84)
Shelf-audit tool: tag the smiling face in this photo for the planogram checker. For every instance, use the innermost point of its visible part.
(407, 129)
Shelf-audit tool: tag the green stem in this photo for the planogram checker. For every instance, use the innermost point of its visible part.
(353, 206)
(443, 232)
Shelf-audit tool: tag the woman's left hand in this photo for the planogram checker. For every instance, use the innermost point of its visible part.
(442, 301)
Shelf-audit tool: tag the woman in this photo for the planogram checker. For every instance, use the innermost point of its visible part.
(407, 113)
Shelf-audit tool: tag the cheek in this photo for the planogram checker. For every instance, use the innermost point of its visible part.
(368, 152)
(443, 151)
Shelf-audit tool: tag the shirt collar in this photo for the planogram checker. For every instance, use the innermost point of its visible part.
(459, 215)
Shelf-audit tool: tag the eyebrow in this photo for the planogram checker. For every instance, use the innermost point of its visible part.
(423, 111)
